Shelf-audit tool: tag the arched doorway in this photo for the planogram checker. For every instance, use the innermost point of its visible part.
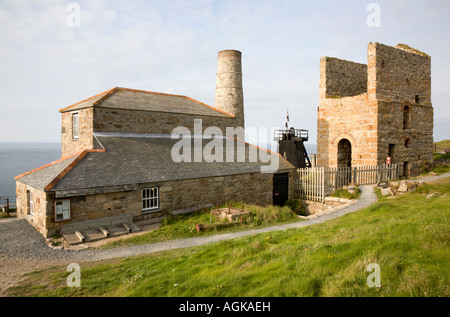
(344, 157)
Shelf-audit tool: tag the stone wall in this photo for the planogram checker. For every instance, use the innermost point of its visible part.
(134, 121)
(343, 78)
(254, 188)
(351, 118)
(400, 75)
(69, 145)
(373, 122)
(42, 208)
(402, 78)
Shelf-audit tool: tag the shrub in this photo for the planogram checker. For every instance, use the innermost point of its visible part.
(270, 214)
(295, 205)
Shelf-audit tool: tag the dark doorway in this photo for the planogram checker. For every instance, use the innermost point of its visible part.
(344, 158)
(406, 169)
(391, 153)
(280, 188)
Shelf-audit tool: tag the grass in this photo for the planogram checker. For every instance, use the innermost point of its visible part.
(407, 237)
(445, 144)
(184, 226)
(344, 193)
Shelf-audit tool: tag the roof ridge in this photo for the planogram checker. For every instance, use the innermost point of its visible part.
(175, 95)
(108, 93)
(77, 103)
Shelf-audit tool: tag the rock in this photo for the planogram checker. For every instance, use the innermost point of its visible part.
(432, 173)
(394, 184)
(385, 191)
(403, 187)
(391, 191)
(430, 195)
(351, 191)
(352, 187)
(383, 185)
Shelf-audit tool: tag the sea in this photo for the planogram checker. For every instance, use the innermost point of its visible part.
(18, 158)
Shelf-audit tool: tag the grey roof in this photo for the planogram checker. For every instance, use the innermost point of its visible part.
(130, 160)
(123, 98)
(43, 176)
(140, 160)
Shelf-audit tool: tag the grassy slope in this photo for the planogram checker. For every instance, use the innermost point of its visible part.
(408, 237)
(443, 144)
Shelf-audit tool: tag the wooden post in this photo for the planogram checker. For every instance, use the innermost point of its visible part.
(80, 236)
(127, 228)
(7, 206)
(104, 231)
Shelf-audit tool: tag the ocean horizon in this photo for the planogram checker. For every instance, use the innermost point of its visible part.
(19, 157)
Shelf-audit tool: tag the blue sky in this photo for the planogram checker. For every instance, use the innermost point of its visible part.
(171, 46)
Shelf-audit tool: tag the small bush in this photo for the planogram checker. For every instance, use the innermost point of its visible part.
(344, 193)
(295, 205)
(270, 214)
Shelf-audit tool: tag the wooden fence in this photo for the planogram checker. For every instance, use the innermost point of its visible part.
(316, 183)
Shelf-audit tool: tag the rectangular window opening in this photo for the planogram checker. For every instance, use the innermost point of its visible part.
(150, 199)
(62, 210)
(75, 126)
(30, 202)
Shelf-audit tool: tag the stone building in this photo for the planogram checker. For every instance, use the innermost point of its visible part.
(368, 113)
(121, 162)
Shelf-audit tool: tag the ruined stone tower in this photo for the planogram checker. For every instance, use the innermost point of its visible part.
(370, 112)
(229, 94)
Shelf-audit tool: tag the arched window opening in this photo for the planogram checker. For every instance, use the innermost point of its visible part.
(406, 117)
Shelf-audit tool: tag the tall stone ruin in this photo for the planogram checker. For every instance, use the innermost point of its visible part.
(368, 113)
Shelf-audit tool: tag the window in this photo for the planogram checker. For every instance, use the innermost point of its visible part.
(391, 152)
(30, 202)
(150, 199)
(417, 99)
(406, 117)
(62, 210)
(75, 126)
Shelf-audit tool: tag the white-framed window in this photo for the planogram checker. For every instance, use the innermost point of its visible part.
(75, 126)
(62, 210)
(150, 198)
(30, 202)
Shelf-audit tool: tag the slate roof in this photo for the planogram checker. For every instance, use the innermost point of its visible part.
(132, 99)
(129, 160)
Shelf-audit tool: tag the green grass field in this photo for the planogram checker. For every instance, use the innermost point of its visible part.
(184, 226)
(407, 237)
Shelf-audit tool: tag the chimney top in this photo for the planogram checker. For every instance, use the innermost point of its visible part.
(229, 53)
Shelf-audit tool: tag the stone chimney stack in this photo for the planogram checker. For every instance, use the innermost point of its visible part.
(229, 93)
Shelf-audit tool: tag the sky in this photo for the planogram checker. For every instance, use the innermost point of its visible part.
(55, 53)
